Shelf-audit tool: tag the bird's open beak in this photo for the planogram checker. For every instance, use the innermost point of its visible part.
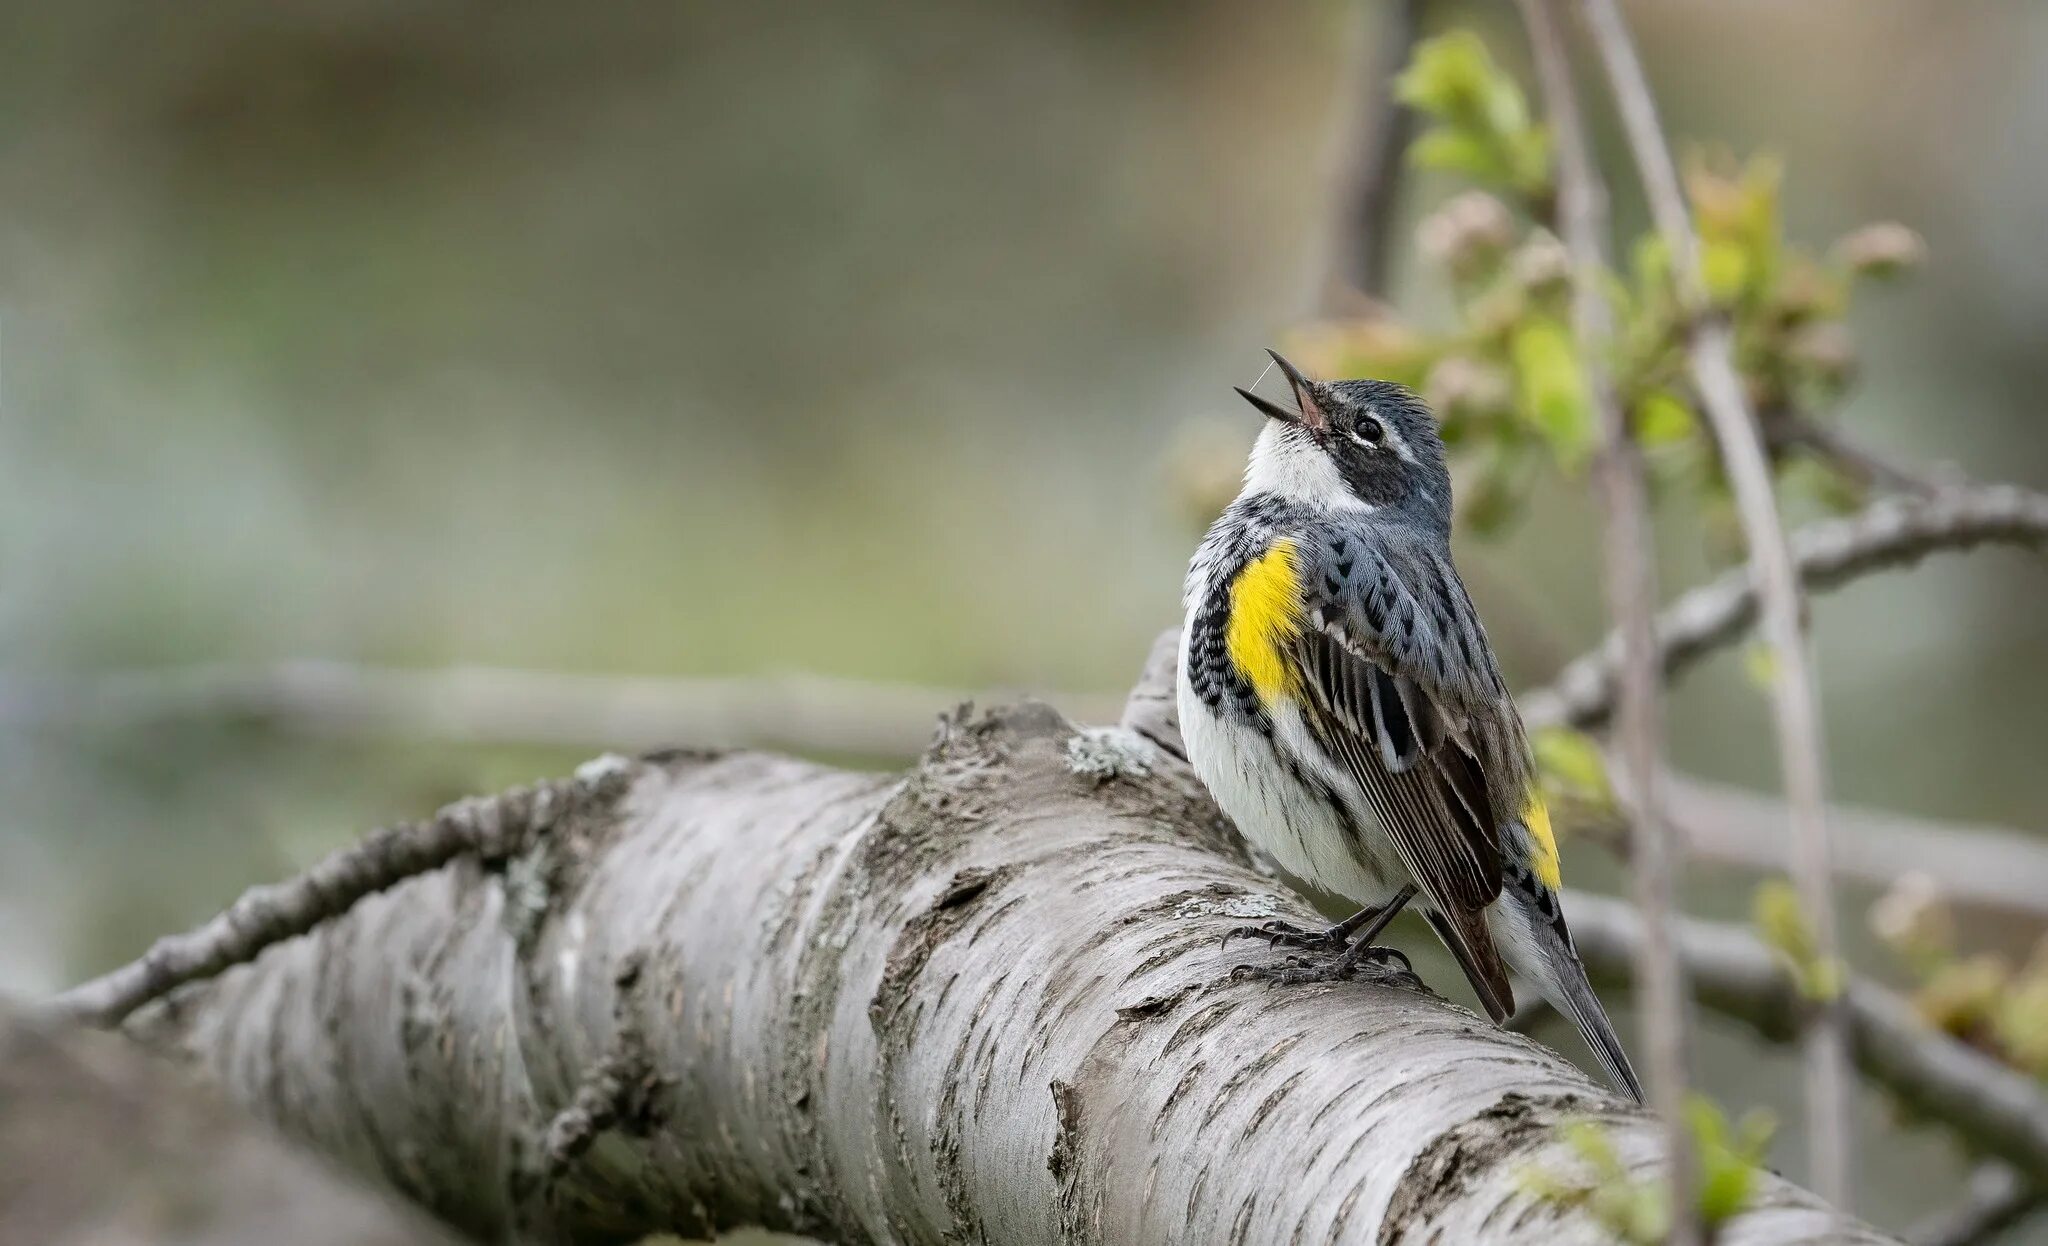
(1309, 415)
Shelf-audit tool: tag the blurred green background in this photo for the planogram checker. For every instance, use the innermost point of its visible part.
(860, 339)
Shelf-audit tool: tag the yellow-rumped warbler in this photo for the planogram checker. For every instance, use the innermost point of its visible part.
(1340, 700)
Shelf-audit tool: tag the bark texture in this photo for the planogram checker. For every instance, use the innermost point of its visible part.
(100, 1145)
(985, 1001)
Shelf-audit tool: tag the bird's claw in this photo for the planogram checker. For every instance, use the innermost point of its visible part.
(1374, 964)
(1286, 934)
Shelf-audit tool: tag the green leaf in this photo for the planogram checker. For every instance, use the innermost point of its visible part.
(1724, 269)
(1552, 389)
(1962, 994)
(1639, 1211)
(1651, 261)
(1482, 121)
(1529, 159)
(1760, 665)
(1453, 78)
(1456, 151)
(1728, 1164)
(1662, 420)
(1782, 922)
(1739, 227)
(1590, 1141)
(2021, 1021)
(1775, 910)
(1570, 766)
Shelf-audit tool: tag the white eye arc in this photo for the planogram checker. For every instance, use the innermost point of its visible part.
(1374, 427)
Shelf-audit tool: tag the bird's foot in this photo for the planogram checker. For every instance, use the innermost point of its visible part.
(1363, 962)
(1287, 934)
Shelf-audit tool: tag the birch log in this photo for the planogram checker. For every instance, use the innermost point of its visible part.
(983, 1001)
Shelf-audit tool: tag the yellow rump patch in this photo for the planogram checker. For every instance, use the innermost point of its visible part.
(1265, 612)
(1543, 844)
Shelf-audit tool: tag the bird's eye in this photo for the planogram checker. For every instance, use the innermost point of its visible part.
(1369, 432)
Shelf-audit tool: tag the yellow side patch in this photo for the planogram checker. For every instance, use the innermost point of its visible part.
(1265, 612)
(1542, 843)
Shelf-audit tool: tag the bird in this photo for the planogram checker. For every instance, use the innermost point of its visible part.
(1339, 699)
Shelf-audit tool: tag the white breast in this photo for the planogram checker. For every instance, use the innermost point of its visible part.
(1291, 821)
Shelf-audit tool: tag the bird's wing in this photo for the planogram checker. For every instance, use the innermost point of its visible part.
(1400, 689)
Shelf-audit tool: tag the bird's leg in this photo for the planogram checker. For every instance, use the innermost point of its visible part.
(1359, 959)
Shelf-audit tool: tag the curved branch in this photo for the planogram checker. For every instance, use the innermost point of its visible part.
(1892, 532)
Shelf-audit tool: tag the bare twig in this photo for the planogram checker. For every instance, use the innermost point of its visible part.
(1794, 697)
(615, 1093)
(263, 916)
(1996, 1199)
(1997, 1110)
(1979, 866)
(1892, 532)
(1632, 597)
(494, 705)
(1831, 444)
(821, 714)
(1384, 127)
(1984, 866)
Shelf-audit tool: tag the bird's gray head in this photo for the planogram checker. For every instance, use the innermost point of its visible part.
(1350, 445)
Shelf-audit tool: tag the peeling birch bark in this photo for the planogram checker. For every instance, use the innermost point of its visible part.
(984, 1001)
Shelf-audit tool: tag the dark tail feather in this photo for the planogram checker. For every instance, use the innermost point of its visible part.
(1575, 999)
(1532, 929)
(1472, 943)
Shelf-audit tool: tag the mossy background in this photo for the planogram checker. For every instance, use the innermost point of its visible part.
(859, 339)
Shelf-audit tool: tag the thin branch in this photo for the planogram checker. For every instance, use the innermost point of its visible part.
(1794, 696)
(1385, 124)
(1892, 532)
(1979, 866)
(1983, 866)
(1997, 1199)
(853, 718)
(613, 1094)
(1632, 598)
(1976, 865)
(814, 714)
(1998, 1110)
(1833, 446)
(490, 829)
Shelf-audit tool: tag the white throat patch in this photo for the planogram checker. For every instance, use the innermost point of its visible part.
(1286, 464)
